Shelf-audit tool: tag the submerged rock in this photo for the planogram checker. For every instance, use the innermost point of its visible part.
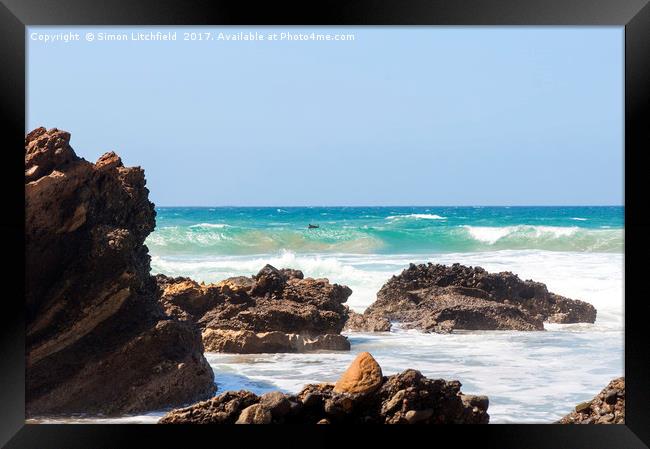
(608, 407)
(97, 340)
(405, 398)
(439, 298)
(273, 311)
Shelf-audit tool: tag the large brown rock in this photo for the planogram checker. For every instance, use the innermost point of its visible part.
(607, 407)
(405, 398)
(439, 298)
(97, 340)
(273, 311)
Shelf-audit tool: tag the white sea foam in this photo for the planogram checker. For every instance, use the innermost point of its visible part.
(488, 234)
(419, 216)
(579, 219)
(211, 225)
(146, 418)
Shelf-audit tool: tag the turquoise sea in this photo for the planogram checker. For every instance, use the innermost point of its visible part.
(385, 230)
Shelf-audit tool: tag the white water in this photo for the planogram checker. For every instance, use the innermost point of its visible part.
(530, 377)
(422, 216)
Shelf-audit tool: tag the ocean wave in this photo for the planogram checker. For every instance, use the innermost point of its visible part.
(221, 239)
(210, 225)
(569, 238)
(419, 216)
(491, 235)
(237, 240)
(579, 219)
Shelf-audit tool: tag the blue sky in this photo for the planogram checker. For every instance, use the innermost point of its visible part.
(399, 116)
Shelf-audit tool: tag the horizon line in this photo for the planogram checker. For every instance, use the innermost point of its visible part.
(404, 205)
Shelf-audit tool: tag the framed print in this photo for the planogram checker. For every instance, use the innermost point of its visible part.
(416, 213)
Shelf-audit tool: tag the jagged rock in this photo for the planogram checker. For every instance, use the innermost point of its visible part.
(439, 298)
(366, 323)
(363, 376)
(273, 311)
(607, 407)
(97, 340)
(405, 398)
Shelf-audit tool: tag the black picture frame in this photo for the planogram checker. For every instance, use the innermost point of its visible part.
(634, 15)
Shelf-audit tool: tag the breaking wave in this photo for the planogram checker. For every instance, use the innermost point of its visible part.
(554, 238)
(210, 225)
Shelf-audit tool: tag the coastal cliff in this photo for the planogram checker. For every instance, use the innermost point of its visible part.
(98, 340)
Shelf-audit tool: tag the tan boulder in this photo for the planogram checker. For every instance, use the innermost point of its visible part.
(362, 376)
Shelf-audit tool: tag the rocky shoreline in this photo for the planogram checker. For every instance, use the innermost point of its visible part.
(362, 395)
(104, 336)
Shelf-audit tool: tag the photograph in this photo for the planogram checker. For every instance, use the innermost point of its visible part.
(324, 225)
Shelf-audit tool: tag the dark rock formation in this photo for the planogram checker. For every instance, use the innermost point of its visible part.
(98, 340)
(273, 311)
(439, 298)
(405, 398)
(608, 407)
